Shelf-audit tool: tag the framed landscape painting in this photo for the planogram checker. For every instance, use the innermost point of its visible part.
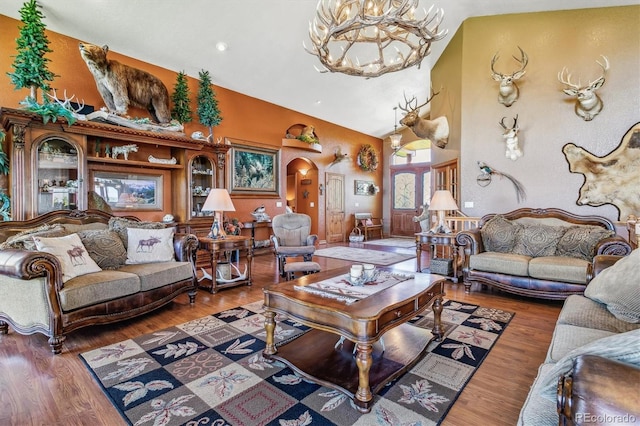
(253, 171)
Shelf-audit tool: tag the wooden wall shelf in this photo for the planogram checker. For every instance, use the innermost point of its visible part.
(295, 143)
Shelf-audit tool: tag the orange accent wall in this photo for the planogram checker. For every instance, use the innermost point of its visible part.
(244, 118)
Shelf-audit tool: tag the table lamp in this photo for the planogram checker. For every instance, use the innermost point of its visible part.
(218, 201)
(442, 201)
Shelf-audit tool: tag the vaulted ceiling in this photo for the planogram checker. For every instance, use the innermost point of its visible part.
(265, 58)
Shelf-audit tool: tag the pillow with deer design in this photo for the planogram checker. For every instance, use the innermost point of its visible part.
(72, 254)
(150, 245)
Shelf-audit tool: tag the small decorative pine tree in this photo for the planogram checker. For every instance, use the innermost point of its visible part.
(30, 63)
(181, 106)
(208, 110)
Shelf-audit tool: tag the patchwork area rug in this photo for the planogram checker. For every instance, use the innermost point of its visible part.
(394, 242)
(210, 371)
(363, 255)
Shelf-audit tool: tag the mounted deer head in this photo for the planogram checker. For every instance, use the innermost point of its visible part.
(510, 136)
(437, 130)
(509, 92)
(588, 103)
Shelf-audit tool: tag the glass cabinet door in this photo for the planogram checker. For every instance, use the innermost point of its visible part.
(57, 174)
(202, 180)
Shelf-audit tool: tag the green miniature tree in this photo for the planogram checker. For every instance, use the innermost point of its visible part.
(208, 110)
(30, 63)
(181, 106)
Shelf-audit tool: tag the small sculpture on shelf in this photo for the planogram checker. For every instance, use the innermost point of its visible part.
(260, 215)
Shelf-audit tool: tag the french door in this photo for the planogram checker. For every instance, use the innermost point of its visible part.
(410, 189)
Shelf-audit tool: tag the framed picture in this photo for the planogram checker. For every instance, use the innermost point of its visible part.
(365, 187)
(125, 191)
(254, 171)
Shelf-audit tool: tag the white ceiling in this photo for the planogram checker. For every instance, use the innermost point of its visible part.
(265, 58)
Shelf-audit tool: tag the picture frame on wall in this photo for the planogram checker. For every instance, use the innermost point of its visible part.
(126, 191)
(364, 187)
(253, 171)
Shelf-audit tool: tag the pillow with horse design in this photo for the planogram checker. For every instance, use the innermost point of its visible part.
(150, 245)
(72, 254)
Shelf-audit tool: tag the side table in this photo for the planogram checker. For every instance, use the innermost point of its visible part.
(448, 244)
(224, 247)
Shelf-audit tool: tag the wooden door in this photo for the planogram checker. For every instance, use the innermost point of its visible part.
(410, 188)
(335, 207)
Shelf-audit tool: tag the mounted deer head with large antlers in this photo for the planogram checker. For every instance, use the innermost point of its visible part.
(510, 136)
(588, 103)
(509, 92)
(437, 130)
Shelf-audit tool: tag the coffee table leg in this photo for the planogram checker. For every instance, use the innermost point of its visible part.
(364, 359)
(437, 330)
(269, 327)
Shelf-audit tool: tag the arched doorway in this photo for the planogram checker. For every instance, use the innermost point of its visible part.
(302, 189)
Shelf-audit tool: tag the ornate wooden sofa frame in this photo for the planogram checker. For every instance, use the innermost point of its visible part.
(368, 224)
(558, 288)
(34, 278)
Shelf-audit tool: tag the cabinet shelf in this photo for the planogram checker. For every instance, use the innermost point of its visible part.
(107, 160)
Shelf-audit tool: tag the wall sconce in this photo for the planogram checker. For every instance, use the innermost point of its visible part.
(321, 189)
(303, 172)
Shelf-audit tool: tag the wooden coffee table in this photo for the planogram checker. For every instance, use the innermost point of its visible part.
(362, 371)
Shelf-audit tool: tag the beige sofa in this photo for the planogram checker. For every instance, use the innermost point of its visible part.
(542, 253)
(115, 281)
(593, 361)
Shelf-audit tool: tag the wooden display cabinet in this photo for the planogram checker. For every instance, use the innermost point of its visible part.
(54, 165)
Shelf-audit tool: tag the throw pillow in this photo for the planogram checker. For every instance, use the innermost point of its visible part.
(580, 241)
(150, 245)
(105, 247)
(24, 240)
(624, 347)
(617, 287)
(120, 225)
(537, 240)
(499, 234)
(71, 253)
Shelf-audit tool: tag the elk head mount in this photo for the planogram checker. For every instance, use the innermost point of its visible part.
(510, 136)
(588, 104)
(509, 92)
(437, 130)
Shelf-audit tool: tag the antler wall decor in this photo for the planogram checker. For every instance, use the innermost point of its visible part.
(436, 130)
(509, 92)
(510, 136)
(588, 103)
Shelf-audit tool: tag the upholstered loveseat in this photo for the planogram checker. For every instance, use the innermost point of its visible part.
(591, 374)
(543, 253)
(70, 269)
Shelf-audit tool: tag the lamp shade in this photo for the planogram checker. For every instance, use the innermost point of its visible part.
(443, 200)
(218, 200)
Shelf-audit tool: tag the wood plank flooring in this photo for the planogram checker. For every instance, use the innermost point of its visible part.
(39, 388)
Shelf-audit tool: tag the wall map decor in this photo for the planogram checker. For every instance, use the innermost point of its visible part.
(613, 179)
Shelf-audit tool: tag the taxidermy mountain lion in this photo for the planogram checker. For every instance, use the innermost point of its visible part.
(122, 85)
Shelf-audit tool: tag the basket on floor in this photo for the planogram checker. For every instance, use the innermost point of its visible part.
(356, 236)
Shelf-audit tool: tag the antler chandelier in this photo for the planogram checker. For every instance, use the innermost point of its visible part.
(369, 38)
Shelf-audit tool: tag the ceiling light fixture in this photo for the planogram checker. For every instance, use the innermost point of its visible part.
(395, 137)
(222, 46)
(369, 38)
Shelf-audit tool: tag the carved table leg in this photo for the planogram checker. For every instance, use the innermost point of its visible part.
(364, 360)
(437, 330)
(4, 327)
(56, 344)
(269, 327)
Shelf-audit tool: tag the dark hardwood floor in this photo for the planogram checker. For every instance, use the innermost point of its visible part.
(39, 388)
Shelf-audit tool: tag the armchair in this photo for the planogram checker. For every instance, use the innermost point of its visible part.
(292, 238)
